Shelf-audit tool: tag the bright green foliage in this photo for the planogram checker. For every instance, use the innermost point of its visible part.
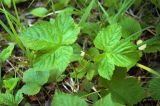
(107, 101)
(55, 38)
(45, 35)
(10, 83)
(125, 90)
(34, 80)
(55, 61)
(39, 36)
(10, 100)
(39, 12)
(108, 37)
(130, 28)
(116, 52)
(4, 55)
(154, 87)
(62, 99)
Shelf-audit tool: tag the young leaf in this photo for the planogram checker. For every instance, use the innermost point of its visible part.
(10, 83)
(39, 12)
(107, 101)
(6, 53)
(62, 99)
(116, 52)
(108, 37)
(154, 88)
(66, 29)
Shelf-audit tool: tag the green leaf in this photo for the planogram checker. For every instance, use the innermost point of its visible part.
(106, 69)
(10, 83)
(107, 101)
(62, 99)
(39, 36)
(108, 37)
(39, 12)
(7, 2)
(4, 55)
(7, 99)
(44, 35)
(153, 45)
(34, 80)
(130, 28)
(90, 74)
(33, 76)
(56, 62)
(125, 90)
(18, 97)
(66, 29)
(31, 88)
(154, 88)
(125, 54)
(116, 52)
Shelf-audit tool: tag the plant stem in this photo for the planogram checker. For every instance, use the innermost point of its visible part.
(0, 77)
(86, 13)
(148, 69)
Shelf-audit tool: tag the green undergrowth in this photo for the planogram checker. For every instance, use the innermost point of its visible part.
(87, 49)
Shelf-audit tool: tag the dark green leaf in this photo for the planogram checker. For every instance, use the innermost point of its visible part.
(154, 88)
(125, 90)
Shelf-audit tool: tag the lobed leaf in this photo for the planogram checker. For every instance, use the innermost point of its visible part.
(108, 37)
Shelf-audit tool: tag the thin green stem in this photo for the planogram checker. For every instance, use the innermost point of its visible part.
(18, 18)
(148, 69)
(86, 13)
(105, 13)
(91, 93)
